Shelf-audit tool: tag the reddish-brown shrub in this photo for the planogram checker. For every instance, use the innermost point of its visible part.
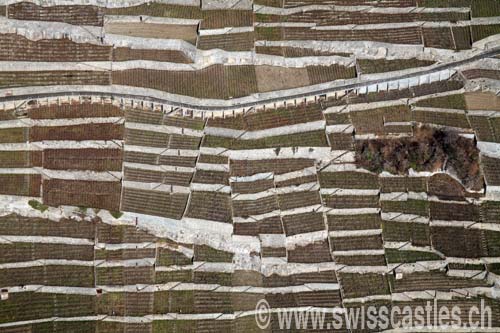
(430, 149)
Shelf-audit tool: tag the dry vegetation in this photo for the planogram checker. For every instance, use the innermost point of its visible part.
(429, 149)
(482, 101)
(271, 78)
(153, 30)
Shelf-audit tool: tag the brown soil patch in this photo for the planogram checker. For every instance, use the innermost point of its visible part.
(482, 101)
(153, 30)
(271, 78)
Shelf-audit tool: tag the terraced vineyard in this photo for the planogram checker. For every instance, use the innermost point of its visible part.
(169, 167)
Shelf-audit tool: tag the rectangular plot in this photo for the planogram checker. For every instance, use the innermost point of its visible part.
(106, 131)
(205, 83)
(53, 78)
(19, 184)
(77, 14)
(153, 30)
(154, 203)
(243, 41)
(74, 110)
(14, 135)
(210, 206)
(83, 159)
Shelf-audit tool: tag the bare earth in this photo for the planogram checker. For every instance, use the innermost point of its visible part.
(153, 30)
(482, 101)
(271, 78)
